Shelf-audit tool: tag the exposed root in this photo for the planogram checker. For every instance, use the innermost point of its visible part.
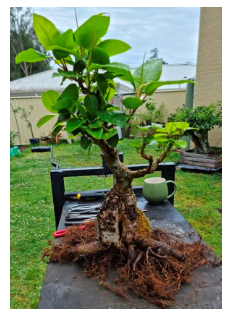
(154, 272)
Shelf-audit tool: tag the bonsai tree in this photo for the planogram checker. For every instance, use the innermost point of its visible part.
(202, 119)
(84, 109)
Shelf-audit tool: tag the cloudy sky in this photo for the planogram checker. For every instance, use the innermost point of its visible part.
(174, 31)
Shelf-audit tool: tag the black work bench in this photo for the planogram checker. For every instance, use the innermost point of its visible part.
(66, 287)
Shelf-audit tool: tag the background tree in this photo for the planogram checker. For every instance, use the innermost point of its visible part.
(22, 37)
(202, 119)
(155, 56)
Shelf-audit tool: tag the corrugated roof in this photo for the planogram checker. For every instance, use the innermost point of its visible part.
(41, 82)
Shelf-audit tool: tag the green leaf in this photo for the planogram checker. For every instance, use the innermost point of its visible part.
(181, 143)
(95, 133)
(113, 141)
(64, 74)
(99, 56)
(116, 118)
(70, 92)
(91, 104)
(82, 110)
(56, 130)
(66, 41)
(151, 72)
(44, 119)
(85, 142)
(96, 124)
(111, 90)
(152, 86)
(66, 50)
(114, 46)
(62, 104)
(91, 31)
(31, 56)
(45, 30)
(118, 68)
(170, 126)
(109, 134)
(73, 124)
(132, 103)
(49, 98)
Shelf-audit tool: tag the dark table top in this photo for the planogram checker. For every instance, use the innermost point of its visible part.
(66, 287)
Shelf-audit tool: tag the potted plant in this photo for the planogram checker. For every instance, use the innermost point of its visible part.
(84, 109)
(202, 119)
(24, 114)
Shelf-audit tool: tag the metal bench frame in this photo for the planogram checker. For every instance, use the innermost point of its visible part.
(60, 196)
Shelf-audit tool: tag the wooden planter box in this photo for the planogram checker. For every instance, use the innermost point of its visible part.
(201, 160)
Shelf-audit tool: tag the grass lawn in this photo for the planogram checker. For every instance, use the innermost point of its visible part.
(198, 198)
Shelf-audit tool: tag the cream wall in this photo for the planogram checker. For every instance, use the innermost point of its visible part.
(38, 112)
(209, 64)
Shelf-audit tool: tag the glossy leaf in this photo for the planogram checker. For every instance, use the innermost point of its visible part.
(85, 142)
(91, 104)
(153, 86)
(62, 104)
(109, 134)
(49, 98)
(99, 56)
(114, 46)
(45, 30)
(151, 72)
(181, 143)
(91, 31)
(118, 119)
(113, 141)
(57, 130)
(44, 119)
(64, 74)
(73, 124)
(132, 103)
(96, 124)
(82, 110)
(62, 49)
(66, 41)
(95, 133)
(118, 68)
(70, 92)
(31, 56)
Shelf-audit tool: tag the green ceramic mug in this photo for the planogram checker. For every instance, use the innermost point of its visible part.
(155, 189)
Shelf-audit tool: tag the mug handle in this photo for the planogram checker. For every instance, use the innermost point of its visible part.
(174, 189)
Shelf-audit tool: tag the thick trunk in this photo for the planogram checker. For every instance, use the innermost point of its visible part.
(200, 140)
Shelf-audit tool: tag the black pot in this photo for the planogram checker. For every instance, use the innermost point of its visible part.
(34, 141)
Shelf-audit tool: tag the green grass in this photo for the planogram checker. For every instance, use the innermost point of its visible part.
(32, 218)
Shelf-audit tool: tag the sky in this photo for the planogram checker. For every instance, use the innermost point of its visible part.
(174, 31)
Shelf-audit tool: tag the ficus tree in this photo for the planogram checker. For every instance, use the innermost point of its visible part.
(84, 109)
(202, 119)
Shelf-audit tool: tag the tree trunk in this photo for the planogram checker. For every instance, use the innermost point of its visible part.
(117, 221)
(200, 140)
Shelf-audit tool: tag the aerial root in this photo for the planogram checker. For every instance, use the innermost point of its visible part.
(153, 272)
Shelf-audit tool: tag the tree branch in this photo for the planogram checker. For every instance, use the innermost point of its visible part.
(152, 165)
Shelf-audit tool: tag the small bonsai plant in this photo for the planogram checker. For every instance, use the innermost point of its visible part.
(202, 119)
(24, 114)
(122, 230)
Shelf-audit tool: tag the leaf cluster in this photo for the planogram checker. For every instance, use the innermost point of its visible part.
(203, 118)
(85, 58)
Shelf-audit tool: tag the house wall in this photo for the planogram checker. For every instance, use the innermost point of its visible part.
(209, 64)
(38, 112)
